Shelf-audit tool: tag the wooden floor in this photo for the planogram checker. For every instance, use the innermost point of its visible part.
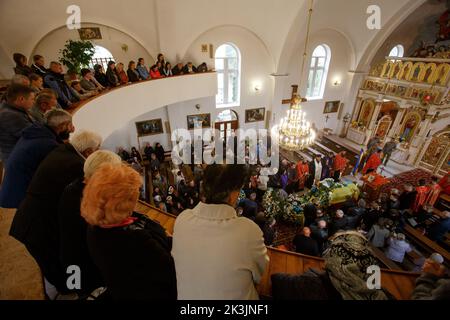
(20, 277)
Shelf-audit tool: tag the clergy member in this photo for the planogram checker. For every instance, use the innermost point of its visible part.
(421, 197)
(340, 163)
(303, 172)
(315, 171)
(435, 191)
(374, 161)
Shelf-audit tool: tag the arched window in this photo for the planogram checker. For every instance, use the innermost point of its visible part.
(318, 71)
(101, 56)
(228, 68)
(397, 51)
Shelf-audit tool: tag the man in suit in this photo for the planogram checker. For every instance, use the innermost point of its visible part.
(36, 221)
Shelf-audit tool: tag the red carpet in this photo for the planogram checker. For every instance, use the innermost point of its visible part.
(411, 177)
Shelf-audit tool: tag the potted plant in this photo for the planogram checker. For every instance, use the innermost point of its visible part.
(76, 55)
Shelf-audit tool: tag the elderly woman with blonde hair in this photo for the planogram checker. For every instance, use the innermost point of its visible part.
(72, 227)
(131, 251)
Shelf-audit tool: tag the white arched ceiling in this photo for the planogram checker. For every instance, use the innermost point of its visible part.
(349, 18)
(419, 26)
(228, 33)
(25, 23)
(112, 39)
(389, 26)
(181, 22)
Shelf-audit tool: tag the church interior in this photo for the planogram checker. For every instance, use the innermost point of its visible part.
(111, 112)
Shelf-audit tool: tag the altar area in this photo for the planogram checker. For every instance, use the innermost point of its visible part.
(406, 99)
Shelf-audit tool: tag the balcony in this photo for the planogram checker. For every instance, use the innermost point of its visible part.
(114, 108)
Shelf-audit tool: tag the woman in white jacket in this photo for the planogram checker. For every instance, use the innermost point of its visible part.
(217, 254)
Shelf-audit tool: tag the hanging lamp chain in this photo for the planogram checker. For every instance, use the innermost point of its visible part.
(308, 28)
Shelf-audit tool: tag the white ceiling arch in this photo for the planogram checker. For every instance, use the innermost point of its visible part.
(348, 17)
(23, 25)
(184, 51)
(151, 54)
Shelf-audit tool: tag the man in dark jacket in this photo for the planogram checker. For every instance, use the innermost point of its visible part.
(36, 222)
(339, 222)
(14, 117)
(305, 244)
(55, 80)
(408, 197)
(159, 151)
(38, 65)
(178, 69)
(36, 143)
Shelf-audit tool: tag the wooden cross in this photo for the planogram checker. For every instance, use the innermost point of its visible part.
(295, 97)
(294, 94)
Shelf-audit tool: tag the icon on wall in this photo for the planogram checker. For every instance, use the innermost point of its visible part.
(149, 127)
(255, 115)
(331, 107)
(90, 33)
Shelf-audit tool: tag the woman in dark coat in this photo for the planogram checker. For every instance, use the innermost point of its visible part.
(131, 251)
(21, 65)
(159, 151)
(100, 75)
(72, 227)
(132, 73)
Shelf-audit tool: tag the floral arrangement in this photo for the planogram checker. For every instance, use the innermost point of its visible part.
(289, 208)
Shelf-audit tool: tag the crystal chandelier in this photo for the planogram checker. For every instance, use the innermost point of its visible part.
(294, 132)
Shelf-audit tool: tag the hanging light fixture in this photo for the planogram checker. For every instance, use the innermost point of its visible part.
(294, 132)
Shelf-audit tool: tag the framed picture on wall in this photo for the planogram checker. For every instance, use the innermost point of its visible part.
(331, 107)
(149, 127)
(89, 33)
(255, 115)
(199, 121)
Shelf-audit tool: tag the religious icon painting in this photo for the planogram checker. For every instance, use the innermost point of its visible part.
(149, 127)
(331, 107)
(89, 33)
(199, 121)
(255, 115)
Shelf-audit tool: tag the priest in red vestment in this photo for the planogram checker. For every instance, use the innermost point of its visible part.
(435, 191)
(303, 171)
(421, 197)
(339, 165)
(374, 161)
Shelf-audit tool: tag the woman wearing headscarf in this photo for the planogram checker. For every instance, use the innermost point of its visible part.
(344, 278)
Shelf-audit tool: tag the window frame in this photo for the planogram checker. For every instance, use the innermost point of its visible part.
(400, 51)
(101, 60)
(315, 69)
(226, 72)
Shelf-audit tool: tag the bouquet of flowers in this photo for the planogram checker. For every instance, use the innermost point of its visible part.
(290, 208)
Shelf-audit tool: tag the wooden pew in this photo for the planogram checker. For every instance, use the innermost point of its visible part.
(398, 283)
(426, 243)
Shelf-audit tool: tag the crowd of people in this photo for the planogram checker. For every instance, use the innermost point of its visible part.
(76, 207)
(71, 87)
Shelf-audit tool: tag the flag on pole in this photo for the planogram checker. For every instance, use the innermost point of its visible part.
(358, 161)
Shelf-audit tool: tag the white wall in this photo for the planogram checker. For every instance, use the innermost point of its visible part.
(127, 137)
(338, 69)
(110, 111)
(112, 40)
